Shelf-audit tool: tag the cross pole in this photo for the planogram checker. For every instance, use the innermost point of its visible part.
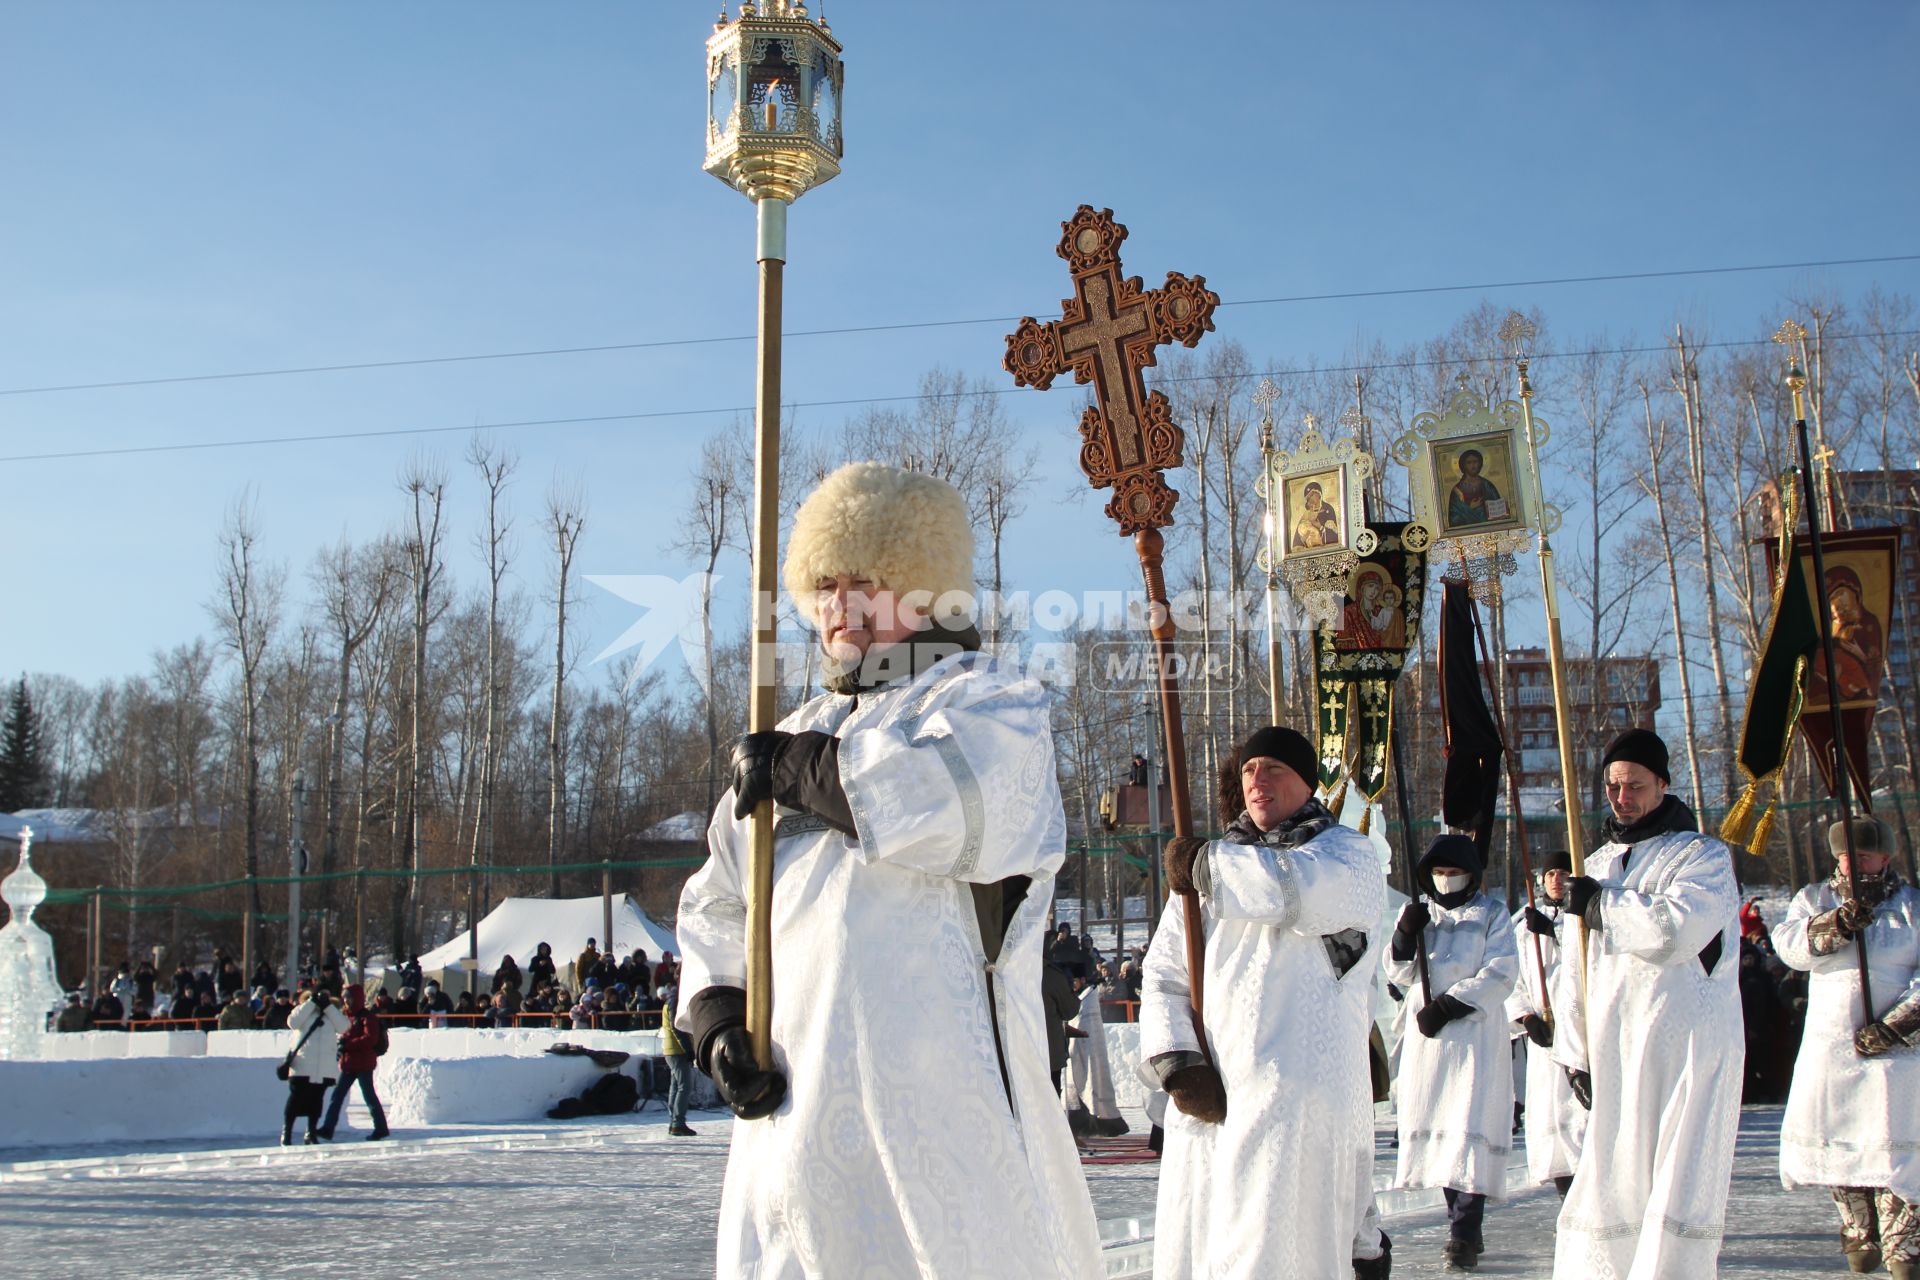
(1106, 335)
(1791, 332)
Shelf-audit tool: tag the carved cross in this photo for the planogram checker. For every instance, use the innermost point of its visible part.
(1106, 335)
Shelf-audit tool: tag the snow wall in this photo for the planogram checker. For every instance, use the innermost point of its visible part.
(166, 1086)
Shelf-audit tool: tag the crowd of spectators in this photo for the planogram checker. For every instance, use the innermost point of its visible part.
(595, 991)
(1118, 977)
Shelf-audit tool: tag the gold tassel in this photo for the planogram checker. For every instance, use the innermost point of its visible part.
(1733, 828)
(1366, 820)
(1763, 829)
(1338, 800)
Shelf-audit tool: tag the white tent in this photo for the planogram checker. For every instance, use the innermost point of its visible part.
(519, 925)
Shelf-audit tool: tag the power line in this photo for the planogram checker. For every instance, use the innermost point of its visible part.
(852, 402)
(599, 348)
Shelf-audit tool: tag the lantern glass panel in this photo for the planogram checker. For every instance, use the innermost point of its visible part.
(826, 102)
(722, 96)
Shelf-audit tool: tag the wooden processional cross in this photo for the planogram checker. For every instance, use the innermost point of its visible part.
(1106, 335)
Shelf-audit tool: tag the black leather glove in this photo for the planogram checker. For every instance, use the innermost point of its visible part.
(1583, 892)
(1199, 1092)
(753, 760)
(1538, 1030)
(1538, 922)
(750, 1092)
(1443, 1010)
(1581, 1083)
(1178, 858)
(1414, 918)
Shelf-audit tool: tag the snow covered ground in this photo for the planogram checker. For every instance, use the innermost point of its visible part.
(619, 1197)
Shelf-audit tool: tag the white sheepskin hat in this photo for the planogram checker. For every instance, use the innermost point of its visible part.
(906, 530)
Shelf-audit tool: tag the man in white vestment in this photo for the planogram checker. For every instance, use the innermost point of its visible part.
(1272, 1118)
(1660, 1051)
(1853, 1116)
(1555, 1120)
(909, 1126)
(1455, 1099)
(1092, 1107)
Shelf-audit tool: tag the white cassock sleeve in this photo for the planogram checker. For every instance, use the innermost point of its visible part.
(1488, 987)
(1166, 995)
(1790, 940)
(1681, 918)
(962, 786)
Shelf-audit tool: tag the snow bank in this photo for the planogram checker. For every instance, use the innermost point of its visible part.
(112, 1086)
(45, 1104)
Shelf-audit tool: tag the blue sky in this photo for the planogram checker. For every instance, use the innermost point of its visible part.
(198, 188)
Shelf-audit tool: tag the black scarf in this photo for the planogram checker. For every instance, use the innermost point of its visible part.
(1672, 816)
(904, 661)
(1308, 821)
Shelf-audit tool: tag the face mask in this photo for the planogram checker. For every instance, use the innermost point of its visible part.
(1452, 884)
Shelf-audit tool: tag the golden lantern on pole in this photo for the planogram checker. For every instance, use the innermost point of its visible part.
(774, 84)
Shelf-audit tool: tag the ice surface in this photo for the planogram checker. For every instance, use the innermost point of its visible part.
(621, 1197)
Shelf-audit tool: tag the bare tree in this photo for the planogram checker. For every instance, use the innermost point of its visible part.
(1656, 437)
(355, 589)
(246, 607)
(566, 516)
(496, 466)
(1686, 381)
(424, 481)
(704, 526)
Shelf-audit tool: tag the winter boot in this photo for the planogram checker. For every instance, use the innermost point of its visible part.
(1461, 1255)
(312, 1138)
(681, 1131)
(1903, 1270)
(1865, 1259)
(286, 1136)
(1376, 1268)
(378, 1134)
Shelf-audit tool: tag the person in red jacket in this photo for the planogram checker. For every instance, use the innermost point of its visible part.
(360, 1048)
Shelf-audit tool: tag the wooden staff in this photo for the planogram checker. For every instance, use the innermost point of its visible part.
(1520, 330)
(762, 711)
(1106, 335)
(1488, 672)
(1842, 777)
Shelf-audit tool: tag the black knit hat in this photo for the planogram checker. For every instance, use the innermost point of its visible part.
(1289, 747)
(1556, 860)
(1642, 747)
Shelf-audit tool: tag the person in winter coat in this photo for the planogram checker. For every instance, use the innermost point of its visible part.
(1852, 1125)
(278, 1011)
(315, 1061)
(361, 1045)
(679, 1066)
(1456, 1064)
(1268, 1143)
(507, 972)
(541, 967)
(237, 1016)
(905, 1126)
(1658, 1047)
(73, 1015)
(585, 963)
